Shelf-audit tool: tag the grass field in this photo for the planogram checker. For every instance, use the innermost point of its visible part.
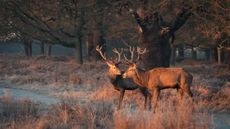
(88, 100)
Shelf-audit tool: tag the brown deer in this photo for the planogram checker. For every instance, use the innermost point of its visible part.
(115, 76)
(157, 79)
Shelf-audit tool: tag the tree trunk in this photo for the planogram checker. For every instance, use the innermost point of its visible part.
(223, 55)
(158, 54)
(155, 35)
(98, 38)
(102, 42)
(194, 54)
(42, 48)
(94, 40)
(28, 48)
(219, 55)
(78, 46)
(173, 55)
(87, 42)
(181, 51)
(90, 45)
(208, 54)
(228, 58)
(214, 55)
(156, 42)
(49, 49)
(78, 51)
(94, 54)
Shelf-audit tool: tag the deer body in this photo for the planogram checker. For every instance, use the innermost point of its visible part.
(121, 84)
(157, 79)
(161, 78)
(118, 82)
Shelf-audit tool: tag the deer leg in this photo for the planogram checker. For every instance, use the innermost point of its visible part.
(146, 100)
(150, 100)
(180, 94)
(144, 92)
(190, 94)
(122, 92)
(155, 97)
(188, 91)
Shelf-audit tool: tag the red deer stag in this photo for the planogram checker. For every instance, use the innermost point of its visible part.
(157, 79)
(115, 76)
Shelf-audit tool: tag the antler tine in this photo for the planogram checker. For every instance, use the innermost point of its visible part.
(131, 50)
(118, 54)
(98, 49)
(126, 59)
(140, 52)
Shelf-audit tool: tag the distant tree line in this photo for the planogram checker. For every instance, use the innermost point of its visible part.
(157, 25)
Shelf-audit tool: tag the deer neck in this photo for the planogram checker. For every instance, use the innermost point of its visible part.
(113, 78)
(140, 77)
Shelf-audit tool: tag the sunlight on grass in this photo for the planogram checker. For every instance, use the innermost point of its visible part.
(89, 101)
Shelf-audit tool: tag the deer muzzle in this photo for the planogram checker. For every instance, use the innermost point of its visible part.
(124, 75)
(119, 73)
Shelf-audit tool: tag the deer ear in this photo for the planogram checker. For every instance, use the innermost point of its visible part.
(133, 65)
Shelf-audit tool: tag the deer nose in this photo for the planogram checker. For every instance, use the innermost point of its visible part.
(124, 75)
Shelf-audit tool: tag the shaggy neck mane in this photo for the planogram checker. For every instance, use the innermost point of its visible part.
(141, 77)
(112, 77)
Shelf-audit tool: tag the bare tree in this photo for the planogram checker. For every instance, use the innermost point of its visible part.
(212, 20)
(55, 21)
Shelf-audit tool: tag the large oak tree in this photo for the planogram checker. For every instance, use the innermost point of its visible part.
(155, 33)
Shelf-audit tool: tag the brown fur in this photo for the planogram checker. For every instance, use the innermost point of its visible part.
(161, 78)
(121, 84)
(116, 78)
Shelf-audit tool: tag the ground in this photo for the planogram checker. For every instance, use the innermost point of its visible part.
(81, 96)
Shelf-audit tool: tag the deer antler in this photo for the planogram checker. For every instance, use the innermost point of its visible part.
(118, 54)
(98, 49)
(131, 50)
(140, 51)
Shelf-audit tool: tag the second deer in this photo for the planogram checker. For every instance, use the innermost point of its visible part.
(157, 79)
(115, 76)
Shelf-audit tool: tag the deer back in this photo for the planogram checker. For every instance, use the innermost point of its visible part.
(166, 77)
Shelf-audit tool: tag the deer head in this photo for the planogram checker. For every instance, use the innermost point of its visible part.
(131, 71)
(113, 69)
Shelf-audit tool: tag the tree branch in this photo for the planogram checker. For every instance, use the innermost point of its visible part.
(67, 33)
(139, 20)
(181, 18)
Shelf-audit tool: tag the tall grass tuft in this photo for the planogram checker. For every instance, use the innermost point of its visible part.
(168, 115)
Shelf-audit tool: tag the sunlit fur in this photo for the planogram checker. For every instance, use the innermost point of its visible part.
(113, 70)
(122, 84)
(161, 78)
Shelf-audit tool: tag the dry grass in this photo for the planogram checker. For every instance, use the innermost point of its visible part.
(90, 101)
(167, 116)
(101, 115)
(14, 114)
(66, 115)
